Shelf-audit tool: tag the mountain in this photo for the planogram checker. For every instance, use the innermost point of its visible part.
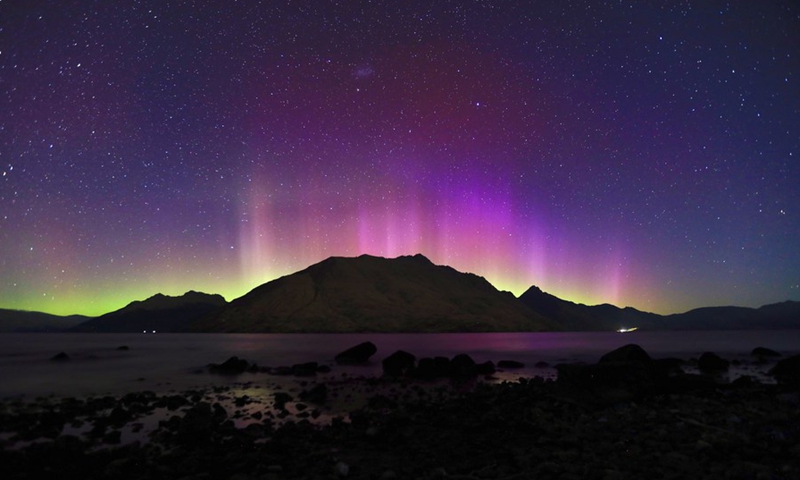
(374, 294)
(22, 321)
(578, 317)
(160, 313)
(768, 317)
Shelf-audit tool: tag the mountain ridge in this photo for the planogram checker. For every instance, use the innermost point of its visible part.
(158, 313)
(367, 293)
(404, 294)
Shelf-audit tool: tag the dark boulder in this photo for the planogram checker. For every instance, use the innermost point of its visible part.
(60, 357)
(426, 369)
(622, 375)
(305, 369)
(432, 368)
(712, 364)
(763, 352)
(485, 368)
(626, 354)
(281, 399)
(399, 363)
(318, 394)
(358, 354)
(231, 366)
(787, 371)
(219, 414)
(462, 366)
(510, 364)
(119, 417)
(173, 402)
(609, 382)
(197, 425)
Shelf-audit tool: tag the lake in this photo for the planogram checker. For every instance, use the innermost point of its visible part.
(164, 362)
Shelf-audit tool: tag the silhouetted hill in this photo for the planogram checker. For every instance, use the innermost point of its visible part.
(22, 321)
(373, 294)
(579, 317)
(161, 313)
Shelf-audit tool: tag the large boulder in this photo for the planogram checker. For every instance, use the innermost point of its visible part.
(399, 363)
(485, 368)
(764, 352)
(622, 375)
(712, 364)
(510, 364)
(305, 369)
(317, 394)
(626, 354)
(787, 371)
(231, 366)
(60, 357)
(462, 366)
(197, 424)
(356, 355)
(432, 368)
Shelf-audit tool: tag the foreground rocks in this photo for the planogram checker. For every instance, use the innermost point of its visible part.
(356, 355)
(620, 418)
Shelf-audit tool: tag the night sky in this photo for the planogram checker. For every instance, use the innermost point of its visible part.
(636, 153)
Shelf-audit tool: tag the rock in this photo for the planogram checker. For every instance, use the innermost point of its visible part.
(318, 394)
(399, 363)
(219, 413)
(510, 364)
(626, 354)
(763, 352)
(281, 398)
(305, 369)
(123, 348)
(357, 355)
(485, 368)
(231, 366)
(341, 469)
(60, 357)
(119, 417)
(711, 363)
(462, 366)
(432, 368)
(787, 371)
(50, 424)
(622, 376)
(174, 402)
(196, 426)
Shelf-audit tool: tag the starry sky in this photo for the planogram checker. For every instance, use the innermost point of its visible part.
(641, 153)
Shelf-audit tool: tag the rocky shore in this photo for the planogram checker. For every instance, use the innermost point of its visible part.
(627, 416)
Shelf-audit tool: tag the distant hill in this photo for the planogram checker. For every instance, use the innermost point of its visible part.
(373, 294)
(161, 313)
(578, 317)
(22, 321)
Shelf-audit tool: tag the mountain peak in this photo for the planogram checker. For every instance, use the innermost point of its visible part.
(368, 293)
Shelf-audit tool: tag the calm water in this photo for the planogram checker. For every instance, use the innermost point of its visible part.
(164, 362)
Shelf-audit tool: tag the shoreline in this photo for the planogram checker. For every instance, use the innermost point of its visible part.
(606, 421)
